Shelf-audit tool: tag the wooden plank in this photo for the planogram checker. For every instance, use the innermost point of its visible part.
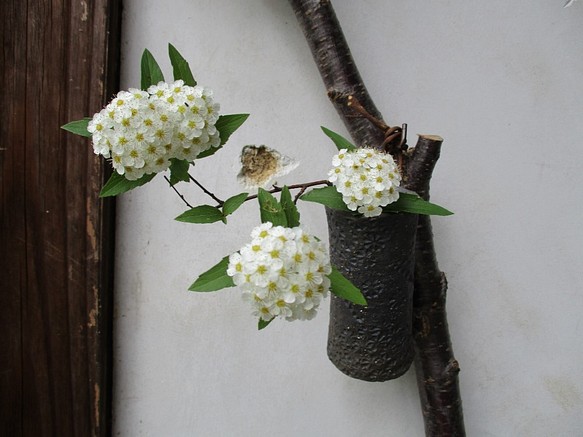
(59, 64)
(12, 225)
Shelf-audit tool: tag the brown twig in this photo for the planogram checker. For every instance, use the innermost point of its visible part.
(395, 141)
(178, 192)
(302, 188)
(207, 192)
(355, 104)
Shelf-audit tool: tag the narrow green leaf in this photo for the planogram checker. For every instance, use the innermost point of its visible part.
(201, 214)
(215, 278)
(339, 141)
(326, 196)
(209, 152)
(289, 207)
(233, 203)
(78, 127)
(414, 204)
(178, 170)
(345, 289)
(410, 203)
(262, 324)
(151, 72)
(270, 209)
(180, 67)
(226, 125)
(118, 184)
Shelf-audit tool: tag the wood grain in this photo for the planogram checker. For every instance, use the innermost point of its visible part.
(59, 63)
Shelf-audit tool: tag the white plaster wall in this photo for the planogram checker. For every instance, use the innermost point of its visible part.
(501, 81)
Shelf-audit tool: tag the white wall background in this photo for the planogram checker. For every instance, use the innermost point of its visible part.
(502, 82)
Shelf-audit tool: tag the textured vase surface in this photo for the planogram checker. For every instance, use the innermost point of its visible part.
(373, 343)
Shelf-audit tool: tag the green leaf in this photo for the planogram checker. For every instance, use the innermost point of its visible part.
(78, 127)
(326, 196)
(178, 170)
(289, 208)
(345, 289)
(270, 209)
(233, 203)
(201, 214)
(209, 152)
(410, 203)
(180, 67)
(340, 141)
(215, 278)
(118, 184)
(226, 125)
(151, 73)
(414, 204)
(263, 324)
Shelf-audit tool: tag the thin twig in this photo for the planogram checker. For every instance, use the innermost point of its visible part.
(207, 192)
(178, 192)
(355, 104)
(302, 188)
(395, 148)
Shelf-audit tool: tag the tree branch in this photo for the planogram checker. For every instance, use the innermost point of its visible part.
(435, 365)
(337, 68)
(436, 368)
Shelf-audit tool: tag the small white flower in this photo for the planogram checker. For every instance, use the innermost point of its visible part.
(282, 272)
(366, 178)
(370, 210)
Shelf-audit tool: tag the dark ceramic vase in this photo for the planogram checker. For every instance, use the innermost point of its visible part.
(373, 343)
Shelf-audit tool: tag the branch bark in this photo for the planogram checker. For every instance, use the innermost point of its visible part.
(436, 368)
(337, 68)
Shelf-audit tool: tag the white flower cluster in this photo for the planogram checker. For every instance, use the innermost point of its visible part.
(141, 131)
(282, 272)
(367, 179)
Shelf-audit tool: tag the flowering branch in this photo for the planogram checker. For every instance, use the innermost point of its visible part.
(303, 187)
(276, 189)
(165, 126)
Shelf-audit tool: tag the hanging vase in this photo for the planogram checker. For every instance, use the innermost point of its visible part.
(373, 343)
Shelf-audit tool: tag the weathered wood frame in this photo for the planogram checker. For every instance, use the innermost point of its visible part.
(59, 63)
